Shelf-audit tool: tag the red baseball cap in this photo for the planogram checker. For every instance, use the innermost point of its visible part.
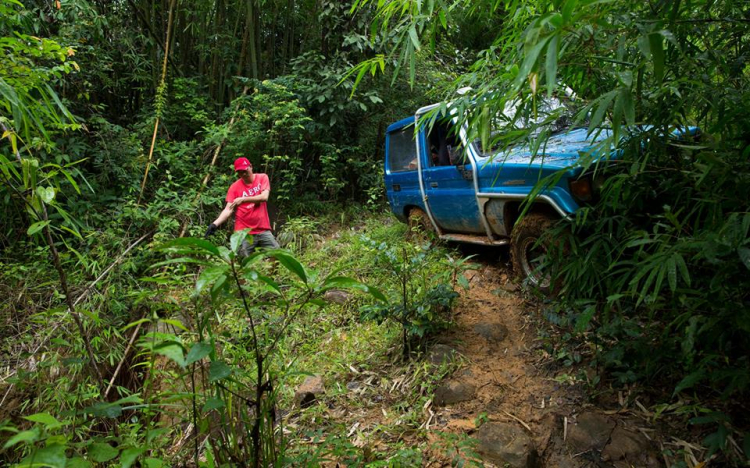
(242, 164)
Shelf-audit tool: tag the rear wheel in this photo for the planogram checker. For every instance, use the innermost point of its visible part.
(528, 249)
(419, 221)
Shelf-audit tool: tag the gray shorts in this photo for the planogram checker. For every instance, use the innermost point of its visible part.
(264, 239)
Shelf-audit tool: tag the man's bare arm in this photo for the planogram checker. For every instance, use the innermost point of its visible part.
(225, 214)
(262, 197)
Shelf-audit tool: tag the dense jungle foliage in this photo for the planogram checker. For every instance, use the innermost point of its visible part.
(119, 124)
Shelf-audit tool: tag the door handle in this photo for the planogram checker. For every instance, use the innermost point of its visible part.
(433, 184)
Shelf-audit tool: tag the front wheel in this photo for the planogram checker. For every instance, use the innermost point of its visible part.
(419, 221)
(528, 247)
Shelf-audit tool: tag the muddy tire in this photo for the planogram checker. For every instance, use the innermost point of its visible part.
(526, 252)
(419, 221)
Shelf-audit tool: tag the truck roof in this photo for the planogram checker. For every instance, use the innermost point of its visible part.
(400, 124)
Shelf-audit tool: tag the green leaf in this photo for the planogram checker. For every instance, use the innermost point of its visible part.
(186, 244)
(213, 404)
(672, 273)
(102, 452)
(414, 37)
(604, 103)
(36, 227)
(43, 418)
(210, 275)
(567, 10)
(129, 456)
(625, 98)
(50, 456)
(210, 462)
(218, 370)
(343, 282)
(198, 352)
(530, 60)
(236, 240)
(175, 323)
(24, 436)
(551, 65)
(655, 42)
(744, 254)
(683, 268)
(290, 263)
(270, 282)
(78, 462)
(171, 350)
(104, 410)
(154, 463)
(710, 418)
(584, 319)
(46, 194)
(689, 381)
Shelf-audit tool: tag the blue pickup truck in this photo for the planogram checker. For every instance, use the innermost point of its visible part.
(437, 179)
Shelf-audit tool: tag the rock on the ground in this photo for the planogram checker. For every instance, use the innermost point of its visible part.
(309, 391)
(337, 296)
(493, 332)
(627, 448)
(509, 287)
(506, 444)
(453, 392)
(591, 432)
(440, 353)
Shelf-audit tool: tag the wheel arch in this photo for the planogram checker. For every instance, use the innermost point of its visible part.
(513, 209)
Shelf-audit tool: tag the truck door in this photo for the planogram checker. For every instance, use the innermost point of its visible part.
(401, 176)
(450, 191)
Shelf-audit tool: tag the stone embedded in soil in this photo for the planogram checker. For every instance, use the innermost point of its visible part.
(627, 448)
(337, 296)
(591, 432)
(453, 392)
(506, 444)
(440, 353)
(493, 332)
(509, 287)
(309, 391)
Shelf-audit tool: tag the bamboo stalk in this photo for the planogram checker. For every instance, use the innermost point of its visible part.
(213, 161)
(172, 5)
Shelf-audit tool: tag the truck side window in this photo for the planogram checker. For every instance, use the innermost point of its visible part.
(445, 145)
(402, 151)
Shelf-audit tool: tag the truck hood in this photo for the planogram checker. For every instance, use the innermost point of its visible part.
(561, 150)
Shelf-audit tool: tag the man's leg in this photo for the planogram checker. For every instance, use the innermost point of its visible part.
(266, 240)
(246, 249)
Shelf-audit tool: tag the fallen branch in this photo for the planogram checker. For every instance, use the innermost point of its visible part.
(520, 421)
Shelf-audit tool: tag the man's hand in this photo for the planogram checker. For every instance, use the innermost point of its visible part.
(211, 230)
(239, 201)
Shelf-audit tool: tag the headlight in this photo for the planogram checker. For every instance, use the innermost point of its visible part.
(581, 189)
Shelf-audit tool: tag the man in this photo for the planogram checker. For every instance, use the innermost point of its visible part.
(247, 199)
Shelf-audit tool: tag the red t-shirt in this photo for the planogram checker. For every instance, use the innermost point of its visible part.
(250, 215)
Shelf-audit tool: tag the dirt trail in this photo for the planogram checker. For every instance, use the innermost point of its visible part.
(526, 417)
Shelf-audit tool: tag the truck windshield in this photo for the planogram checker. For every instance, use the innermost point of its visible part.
(516, 120)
